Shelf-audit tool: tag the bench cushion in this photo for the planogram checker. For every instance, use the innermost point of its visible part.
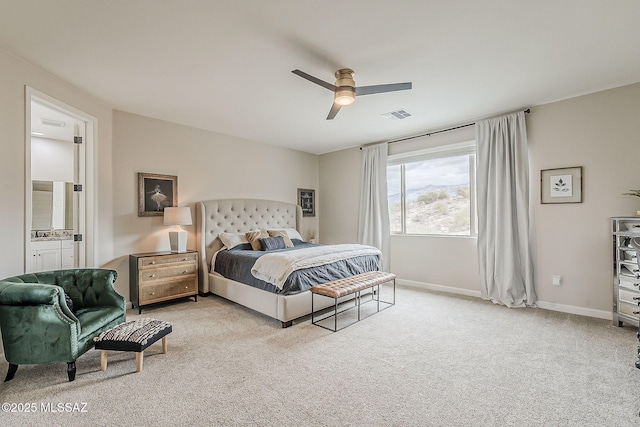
(349, 285)
(135, 335)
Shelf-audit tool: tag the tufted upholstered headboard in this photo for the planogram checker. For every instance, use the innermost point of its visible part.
(233, 216)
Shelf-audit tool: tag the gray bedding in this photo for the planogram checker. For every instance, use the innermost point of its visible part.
(236, 264)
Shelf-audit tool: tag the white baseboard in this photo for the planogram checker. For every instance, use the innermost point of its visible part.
(563, 308)
(572, 309)
(439, 288)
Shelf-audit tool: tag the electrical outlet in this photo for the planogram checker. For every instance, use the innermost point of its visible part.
(557, 280)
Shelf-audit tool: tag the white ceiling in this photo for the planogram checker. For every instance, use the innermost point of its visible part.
(226, 66)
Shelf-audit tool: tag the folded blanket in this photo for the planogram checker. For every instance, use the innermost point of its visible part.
(276, 267)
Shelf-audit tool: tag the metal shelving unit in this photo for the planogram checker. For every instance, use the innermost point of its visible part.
(626, 277)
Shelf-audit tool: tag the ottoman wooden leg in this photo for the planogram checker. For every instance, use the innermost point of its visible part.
(103, 360)
(164, 344)
(139, 358)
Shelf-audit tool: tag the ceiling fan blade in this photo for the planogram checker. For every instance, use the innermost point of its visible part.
(334, 110)
(393, 87)
(315, 80)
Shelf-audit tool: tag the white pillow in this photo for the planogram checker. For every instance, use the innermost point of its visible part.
(293, 233)
(231, 240)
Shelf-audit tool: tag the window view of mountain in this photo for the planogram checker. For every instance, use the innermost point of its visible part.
(437, 196)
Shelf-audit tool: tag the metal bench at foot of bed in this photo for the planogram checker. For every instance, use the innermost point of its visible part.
(352, 285)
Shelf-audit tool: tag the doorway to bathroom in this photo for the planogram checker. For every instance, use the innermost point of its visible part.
(58, 185)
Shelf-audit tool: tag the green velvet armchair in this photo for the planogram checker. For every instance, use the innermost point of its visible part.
(38, 325)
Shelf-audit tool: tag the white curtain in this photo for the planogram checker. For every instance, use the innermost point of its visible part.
(504, 252)
(373, 224)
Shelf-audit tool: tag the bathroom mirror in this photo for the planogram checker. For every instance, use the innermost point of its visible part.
(52, 205)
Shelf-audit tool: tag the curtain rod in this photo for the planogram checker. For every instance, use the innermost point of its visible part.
(528, 110)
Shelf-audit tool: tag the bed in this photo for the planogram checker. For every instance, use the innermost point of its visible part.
(218, 218)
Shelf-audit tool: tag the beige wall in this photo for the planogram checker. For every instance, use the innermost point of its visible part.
(339, 196)
(597, 131)
(208, 166)
(600, 133)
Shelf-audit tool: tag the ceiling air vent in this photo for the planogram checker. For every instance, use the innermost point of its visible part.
(50, 122)
(397, 115)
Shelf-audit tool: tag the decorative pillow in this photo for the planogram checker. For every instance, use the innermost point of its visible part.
(231, 240)
(69, 302)
(275, 233)
(271, 243)
(291, 232)
(253, 237)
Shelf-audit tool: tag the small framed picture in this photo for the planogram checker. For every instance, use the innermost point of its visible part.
(307, 200)
(563, 185)
(156, 192)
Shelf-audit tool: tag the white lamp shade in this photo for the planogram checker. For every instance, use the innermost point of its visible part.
(177, 216)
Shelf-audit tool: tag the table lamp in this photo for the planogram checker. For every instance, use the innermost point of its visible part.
(177, 216)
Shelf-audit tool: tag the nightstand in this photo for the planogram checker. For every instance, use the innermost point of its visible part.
(162, 276)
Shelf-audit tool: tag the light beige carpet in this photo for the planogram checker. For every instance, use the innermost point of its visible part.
(431, 360)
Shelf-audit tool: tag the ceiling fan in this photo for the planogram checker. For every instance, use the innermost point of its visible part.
(345, 90)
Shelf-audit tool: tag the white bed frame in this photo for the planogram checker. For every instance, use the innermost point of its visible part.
(241, 215)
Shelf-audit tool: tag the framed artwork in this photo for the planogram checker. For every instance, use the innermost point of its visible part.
(563, 185)
(156, 192)
(307, 200)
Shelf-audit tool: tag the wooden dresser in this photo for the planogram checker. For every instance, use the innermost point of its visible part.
(162, 276)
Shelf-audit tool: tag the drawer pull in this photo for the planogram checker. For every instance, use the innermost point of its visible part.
(636, 298)
(184, 272)
(152, 262)
(184, 259)
(152, 276)
(152, 293)
(186, 287)
(636, 312)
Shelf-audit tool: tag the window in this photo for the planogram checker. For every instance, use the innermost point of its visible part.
(433, 191)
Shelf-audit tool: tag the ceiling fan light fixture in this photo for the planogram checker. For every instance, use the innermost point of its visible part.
(345, 96)
(345, 90)
(346, 87)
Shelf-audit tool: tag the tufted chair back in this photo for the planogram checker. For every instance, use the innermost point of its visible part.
(85, 287)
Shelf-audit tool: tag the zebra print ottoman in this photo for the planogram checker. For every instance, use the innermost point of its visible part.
(135, 335)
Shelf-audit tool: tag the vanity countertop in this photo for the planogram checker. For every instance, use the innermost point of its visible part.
(47, 235)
